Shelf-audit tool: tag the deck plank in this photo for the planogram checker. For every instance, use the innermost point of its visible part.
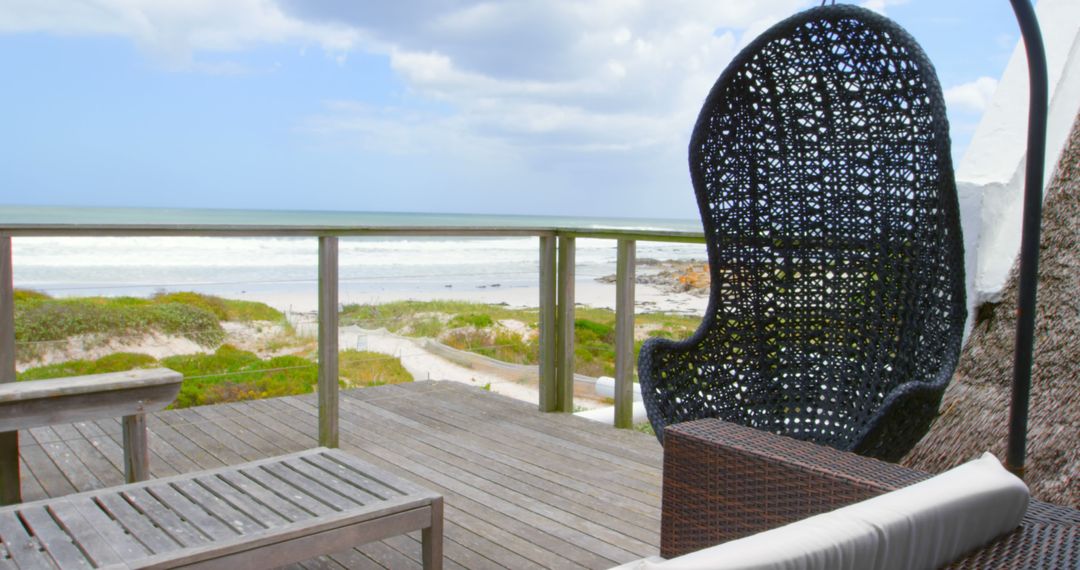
(55, 540)
(539, 448)
(194, 514)
(571, 554)
(118, 538)
(338, 482)
(533, 525)
(165, 518)
(378, 554)
(31, 489)
(183, 447)
(47, 473)
(112, 450)
(554, 439)
(289, 492)
(218, 507)
(77, 473)
(237, 426)
(273, 501)
(550, 492)
(90, 538)
(91, 456)
(20, 545)
(354, 559)
(250, 506)
(136, 523)
(219, 442)
(522, 489)
(507, 460)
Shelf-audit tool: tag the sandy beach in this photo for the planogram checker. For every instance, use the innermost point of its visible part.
(588, 292)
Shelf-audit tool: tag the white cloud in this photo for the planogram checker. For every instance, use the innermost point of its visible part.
(551, 77)
(172, 31)
(599, 97)
(974, 96)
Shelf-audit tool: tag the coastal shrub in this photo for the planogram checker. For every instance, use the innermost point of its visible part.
(223, 309)
(194, 323)
(594, 347)
(391, 316)
(589, 330)
(428, 327)
(478, 320)
(57, 319)
(29, 295)
(470, 339)
(227, 358)
(231, 374)
(208, 303)
(396, 315)
(362, 368)
(500, 344)
(360, 313)
(46, 320)
(594, 361)
(116, 301)
(243, 311)
(509, 346)
(116, 362)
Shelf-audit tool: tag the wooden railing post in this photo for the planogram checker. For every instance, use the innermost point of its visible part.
(564, 354)
(9, 440)
(624, 334)
(328, 341)
(549, 387)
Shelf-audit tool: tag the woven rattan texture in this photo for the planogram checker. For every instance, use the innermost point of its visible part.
(821, 165)
(1034, 546)
(723, 481)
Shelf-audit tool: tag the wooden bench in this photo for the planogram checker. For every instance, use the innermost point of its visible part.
(257, 515)
(130, 395)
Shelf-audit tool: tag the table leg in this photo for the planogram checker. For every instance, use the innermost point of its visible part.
(9, 468)
(431, 538)
(136, 450)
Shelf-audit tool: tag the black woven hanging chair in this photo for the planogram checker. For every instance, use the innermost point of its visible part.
(821, 166)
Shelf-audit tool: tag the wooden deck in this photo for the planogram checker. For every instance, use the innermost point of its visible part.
(523, 489)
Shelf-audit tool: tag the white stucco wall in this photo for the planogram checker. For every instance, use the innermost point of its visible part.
(990, 175)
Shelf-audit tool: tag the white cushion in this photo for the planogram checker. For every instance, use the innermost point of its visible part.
(926, 525)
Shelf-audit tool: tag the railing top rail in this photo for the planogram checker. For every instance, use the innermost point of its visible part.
(244, 230)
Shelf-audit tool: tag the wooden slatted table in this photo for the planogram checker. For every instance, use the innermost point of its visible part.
(131, 395)
(256, 515)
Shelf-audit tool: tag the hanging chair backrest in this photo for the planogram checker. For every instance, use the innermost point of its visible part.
(821, 163)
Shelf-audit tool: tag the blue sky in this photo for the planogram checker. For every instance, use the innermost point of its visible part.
(553, 107)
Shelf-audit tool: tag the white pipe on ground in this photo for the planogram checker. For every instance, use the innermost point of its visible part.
(607, 415)
(605, 388)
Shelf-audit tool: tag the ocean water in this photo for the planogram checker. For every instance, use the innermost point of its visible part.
(283, 270)
(117, 216)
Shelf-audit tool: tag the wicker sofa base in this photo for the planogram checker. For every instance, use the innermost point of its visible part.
(723, 481)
